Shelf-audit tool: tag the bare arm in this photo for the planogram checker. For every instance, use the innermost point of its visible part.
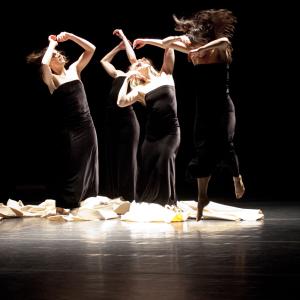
(106, 61)
(221, 43)
(180, 43)
(170, 42)
(139, 43)
(169, 56)
(46, 70)
(169, 61)
(125, 44)
(126, 99)
(86, 56)
(129, 50)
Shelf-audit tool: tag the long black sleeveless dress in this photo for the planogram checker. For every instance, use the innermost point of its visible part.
(76, 161)
(214, 122)
(121, 133)
(156, 176)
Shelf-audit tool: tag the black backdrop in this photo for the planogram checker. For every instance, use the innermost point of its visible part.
(262, 135)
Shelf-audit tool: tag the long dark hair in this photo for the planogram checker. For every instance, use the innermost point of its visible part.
(207, 25)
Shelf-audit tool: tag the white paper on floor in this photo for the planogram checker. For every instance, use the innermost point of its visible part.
(103, 208)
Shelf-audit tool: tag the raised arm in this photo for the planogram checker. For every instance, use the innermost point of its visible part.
(45, 67)
(221, 43)
(86, 56)
(139, 43)
(179, 43)
(129, 50)
(169, 56)
(106, 61)
(124, 45)
(169, 61)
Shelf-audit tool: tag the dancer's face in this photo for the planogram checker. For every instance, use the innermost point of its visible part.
(58, 58)
(141, 63)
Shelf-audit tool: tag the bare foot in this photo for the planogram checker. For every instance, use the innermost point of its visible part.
(202, 202)
(239, 187)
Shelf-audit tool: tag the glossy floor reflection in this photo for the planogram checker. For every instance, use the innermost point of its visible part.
(211, 259)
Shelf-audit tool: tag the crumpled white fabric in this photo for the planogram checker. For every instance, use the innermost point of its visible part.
(15, 208)
(103, 208)
(222, 212)
(151, 212)
(93, 208)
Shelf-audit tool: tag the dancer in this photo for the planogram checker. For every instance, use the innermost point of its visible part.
(156, 175)
(76, 164)
(121, 132)
(206, 41)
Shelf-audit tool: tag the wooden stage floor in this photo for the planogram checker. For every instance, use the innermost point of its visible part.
(211, 259)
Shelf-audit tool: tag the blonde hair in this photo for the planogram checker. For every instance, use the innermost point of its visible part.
(137, 80)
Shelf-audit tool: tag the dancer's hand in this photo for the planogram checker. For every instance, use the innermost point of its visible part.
(52, 40)
(138, 43)
(119, 33)
(63, 36)
(52, 37)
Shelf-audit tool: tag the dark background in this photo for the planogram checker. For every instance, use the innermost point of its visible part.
(264, 134)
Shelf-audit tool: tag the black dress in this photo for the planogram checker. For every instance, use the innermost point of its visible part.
(121, 132)
(156, 176)
(214, 122)
(76, 156)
